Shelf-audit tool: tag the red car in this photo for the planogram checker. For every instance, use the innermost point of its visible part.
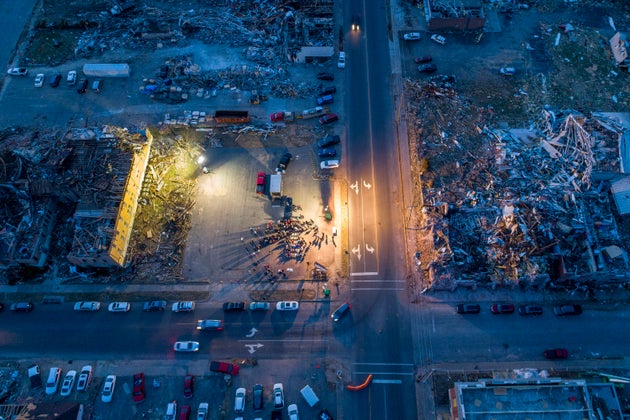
(424, 59)
(260, 183)
(499, 308)
(223, 367)
(328, 118)
(188, 386)
(184, 413)
(556, 354)
(277, 117)
(138, 388)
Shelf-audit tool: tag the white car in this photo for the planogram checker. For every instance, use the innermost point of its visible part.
(439, 39)
(239, 401)
(119, 307)
(171, 411)
(278, 396)
(108, 389)
(85, 377)
(39, 80)
(329, 164)
(202, 412)
(412, 36)
(68, 383)
(87, 306)
(287, 305)
(17, 71)
(342, 60)
(185, 306)
(186, 346)
(293, 412)
(72, 78)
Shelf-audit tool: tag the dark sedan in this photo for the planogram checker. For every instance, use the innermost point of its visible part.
(468, 308)
(556, 354)
(326, 76)
(571, 309)
(530, 310)
(427, 68)
(327, 152)
(233, 306)
(328, 118)
(424, 59)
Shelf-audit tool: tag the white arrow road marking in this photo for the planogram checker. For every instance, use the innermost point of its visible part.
(355, 187)
(369, 249)
(251, 348)
(367, 185)
(252, 332)
(357, 251)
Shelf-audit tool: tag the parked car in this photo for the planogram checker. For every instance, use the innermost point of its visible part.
(71, 79)
(85, 377)
(189, 386)
(21, 307)
(341, 62)
(87, 306)
(328, 141)
(571, 309)
(202, 411)
(186, 346)
(328, 118)
(257, 400)
(39, 80)
(329, 164)
(326, 99)
(184, 306)
(356, 21)
(277, 116)
(138, 393)
(327, 152)
(233, 306)
(292, 410)
(507, 71)
(556, 354)
(278, 395)
(326, 76)
(210, 325)
(424, 59)
(259, 306)
(286, 305)
(83, 84)
(154, 306)
(340, 312)
(184, 412)
(284, 162)
(325, 415)
(427, 68)
(222, 367)
(35, 376)
(327, 90)
(412, 36)
(439, 39)
(530, 310)
(108, 388)
(55, 80)
(239, 401)
(17, 71)
(171, 411)
(52, 383)
(468, 308)
(68, 383)
(502, 308)
(97, 86)
(119, 307)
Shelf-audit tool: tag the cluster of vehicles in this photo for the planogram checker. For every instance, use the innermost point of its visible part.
(71, 80)
(240, 398)
(425, 61)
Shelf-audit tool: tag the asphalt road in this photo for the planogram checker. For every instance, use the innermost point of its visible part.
(382, 344)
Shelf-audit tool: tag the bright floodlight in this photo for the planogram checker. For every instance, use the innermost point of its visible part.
(201, 159)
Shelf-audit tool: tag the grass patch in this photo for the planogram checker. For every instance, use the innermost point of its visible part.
(51, 47)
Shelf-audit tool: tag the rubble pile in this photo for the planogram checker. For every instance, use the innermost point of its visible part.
(513, 207)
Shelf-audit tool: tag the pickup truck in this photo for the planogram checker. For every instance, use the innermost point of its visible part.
(223, 367)
(260, 183)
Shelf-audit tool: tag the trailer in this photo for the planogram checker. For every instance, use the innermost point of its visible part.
(309, 395)
(318, 111)
(231, 117)
(106, 70)
(275, 185)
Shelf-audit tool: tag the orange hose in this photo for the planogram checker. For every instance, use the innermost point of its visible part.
(362, 386)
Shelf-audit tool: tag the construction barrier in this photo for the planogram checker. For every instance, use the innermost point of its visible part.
(362, 386)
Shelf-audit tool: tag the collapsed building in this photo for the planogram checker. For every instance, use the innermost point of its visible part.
(467, 15)
(529, 208)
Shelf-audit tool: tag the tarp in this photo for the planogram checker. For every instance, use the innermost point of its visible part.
(107, 70)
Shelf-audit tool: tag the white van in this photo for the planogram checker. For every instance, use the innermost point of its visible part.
(53, 380)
